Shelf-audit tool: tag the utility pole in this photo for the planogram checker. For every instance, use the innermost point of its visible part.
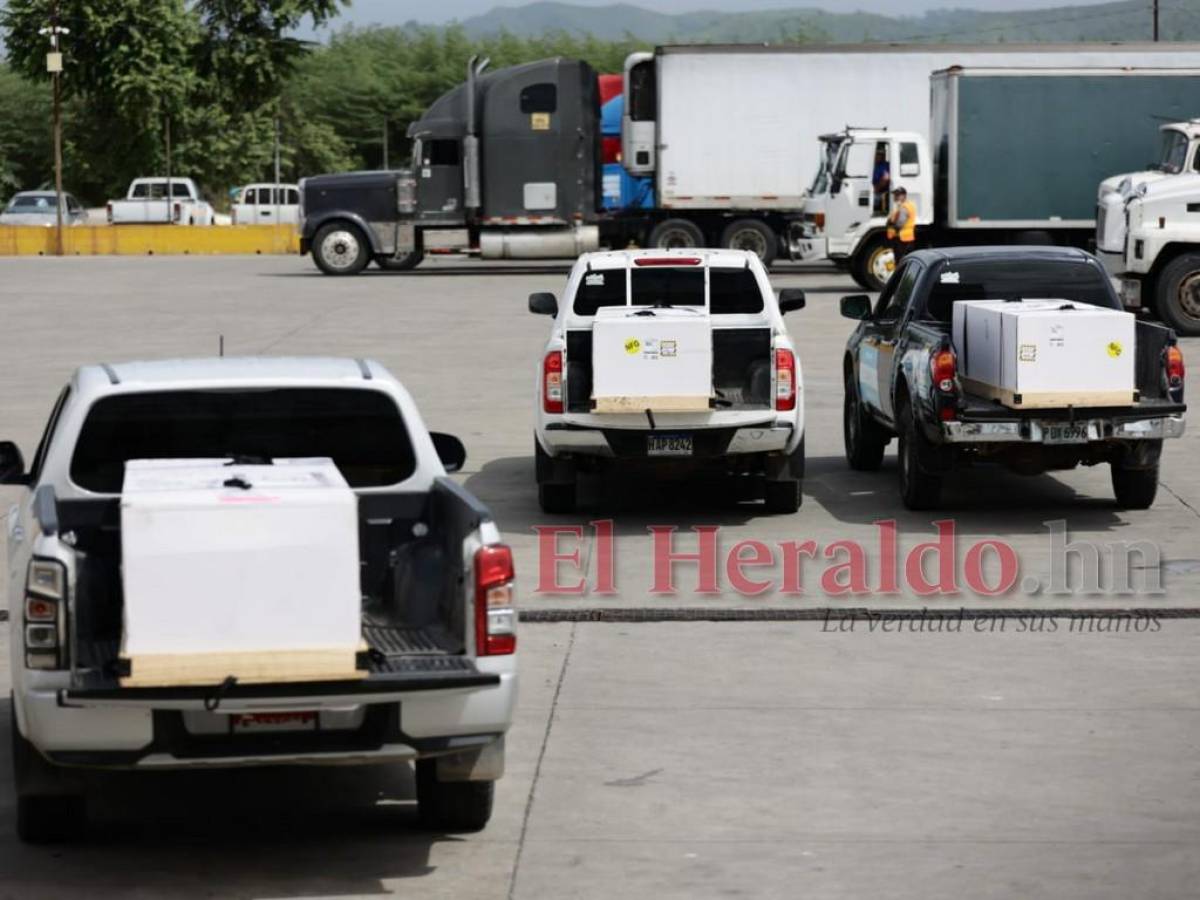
(170, 190)
(54, 65)
(278, 189)
(1155, 10)
(385, 144)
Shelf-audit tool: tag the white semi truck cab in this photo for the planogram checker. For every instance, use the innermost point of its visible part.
(1158, 260)
(845, 216)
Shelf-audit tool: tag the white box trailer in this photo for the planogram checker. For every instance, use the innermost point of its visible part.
(738, 127)
(1045, 353)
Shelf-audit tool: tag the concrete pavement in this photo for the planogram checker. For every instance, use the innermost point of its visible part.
(705, 760)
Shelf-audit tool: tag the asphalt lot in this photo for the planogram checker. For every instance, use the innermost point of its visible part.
(680, 758)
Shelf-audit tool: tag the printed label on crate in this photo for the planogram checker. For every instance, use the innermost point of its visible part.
(1028, 353)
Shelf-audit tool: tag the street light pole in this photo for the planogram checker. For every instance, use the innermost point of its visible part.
(54, 65)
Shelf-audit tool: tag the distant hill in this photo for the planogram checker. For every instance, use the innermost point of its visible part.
(1128, 20)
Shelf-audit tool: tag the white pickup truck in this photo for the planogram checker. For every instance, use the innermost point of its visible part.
(673, 360)
(436, 679)
(146, 203)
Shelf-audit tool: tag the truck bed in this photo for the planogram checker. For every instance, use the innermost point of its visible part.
(413, 615)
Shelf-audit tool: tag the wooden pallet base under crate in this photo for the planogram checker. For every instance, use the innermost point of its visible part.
(1048, 399)
(273, 667)
(654, 404)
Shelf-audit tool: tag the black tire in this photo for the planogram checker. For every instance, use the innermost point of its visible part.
(1134, 488)
(865, 439)
(557, 499)
(340, 248)
(400, 263)
(919, 489)
(869, 265)
(452, 805)
(784, 497)
(1177, 300)
(675, 234)
(557, 496)
(50, 802)
(753, 235)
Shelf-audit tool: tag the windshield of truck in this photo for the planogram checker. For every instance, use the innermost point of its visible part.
(1174, 152)
(1079, 281)
(829, 152)
(733, 291)
(360, 430)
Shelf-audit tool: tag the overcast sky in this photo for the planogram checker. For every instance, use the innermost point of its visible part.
(364, 12)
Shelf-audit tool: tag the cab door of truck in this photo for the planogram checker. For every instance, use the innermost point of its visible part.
(851, 198)
(877, 352)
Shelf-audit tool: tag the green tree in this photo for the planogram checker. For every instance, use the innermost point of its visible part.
(213, 69)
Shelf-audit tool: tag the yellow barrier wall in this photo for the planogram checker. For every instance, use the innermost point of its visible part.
(150, 240)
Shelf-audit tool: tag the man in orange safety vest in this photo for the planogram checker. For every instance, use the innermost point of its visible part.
(902, 224)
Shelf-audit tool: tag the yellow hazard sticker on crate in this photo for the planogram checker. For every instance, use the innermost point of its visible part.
(632, 346)
(1114, 349)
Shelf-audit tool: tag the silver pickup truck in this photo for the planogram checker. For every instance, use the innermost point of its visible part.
(437, 659)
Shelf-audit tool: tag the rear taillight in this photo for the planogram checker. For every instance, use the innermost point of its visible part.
(785, 379)
(1175, 370)
(495, 615)
(552, 382)
(178, 212)
(944, 367)
(819, 219)
(45, 596)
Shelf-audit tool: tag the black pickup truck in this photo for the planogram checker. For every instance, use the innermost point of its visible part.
(902, 379)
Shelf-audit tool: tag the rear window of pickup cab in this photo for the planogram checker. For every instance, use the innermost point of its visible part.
(361, 430)
(732, 291)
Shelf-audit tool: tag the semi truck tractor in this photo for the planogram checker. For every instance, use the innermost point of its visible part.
(1014, 157)
(1158, 231)
(510, 164)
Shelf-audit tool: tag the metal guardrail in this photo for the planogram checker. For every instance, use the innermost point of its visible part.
(151, 240)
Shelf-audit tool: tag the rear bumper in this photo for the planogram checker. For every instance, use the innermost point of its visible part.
(107, 728)
(1033, 431)
(628, 443)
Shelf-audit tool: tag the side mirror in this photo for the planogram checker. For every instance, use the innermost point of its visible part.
(835, 185)
(790, 299)
(12, 464)
(450, 450)
(543, 303)
(856, 306)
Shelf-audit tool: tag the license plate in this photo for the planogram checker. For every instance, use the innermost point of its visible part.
(285, 721)
(669, 445)
(1065, 434)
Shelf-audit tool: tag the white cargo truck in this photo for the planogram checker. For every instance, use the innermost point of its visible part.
(987, 182)
(676, 362)
(252, 562)
(729, 134)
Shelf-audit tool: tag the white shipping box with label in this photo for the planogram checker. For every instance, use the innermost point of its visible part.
(656, 359)
(250, 571)
(1039, 354)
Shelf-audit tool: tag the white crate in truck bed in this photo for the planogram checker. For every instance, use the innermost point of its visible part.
(1041, 354)
(250, 571)
(659, 359)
